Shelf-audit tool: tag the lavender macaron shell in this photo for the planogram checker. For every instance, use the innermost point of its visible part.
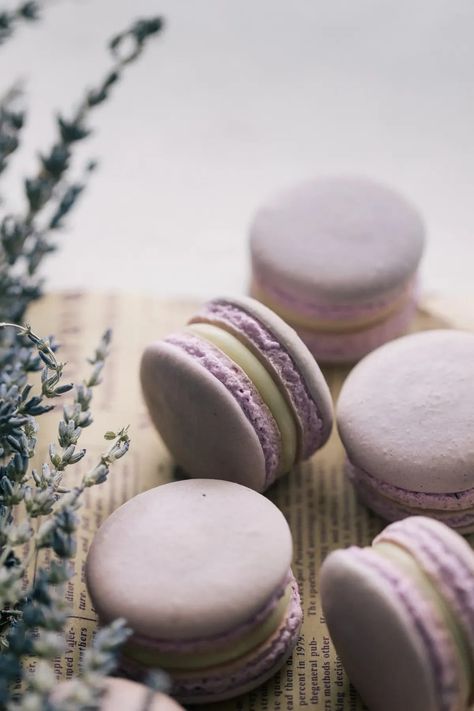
(279, 347)
(219, 555)
(462, 523)
(426, 622)
(377, 617)
(120, 695)
(225, 551)
(347, 347)
(339, 239)
(238, 677)
(405, 412)
(244, 392)
(219, 641)
(461, 502)
(392, 503)
(333, 311)
(445, 557)
(200, 421)
(261, 665)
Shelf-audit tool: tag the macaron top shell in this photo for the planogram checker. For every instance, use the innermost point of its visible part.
(337, 239)
(189, 560)
(405, 413)
(124, 695)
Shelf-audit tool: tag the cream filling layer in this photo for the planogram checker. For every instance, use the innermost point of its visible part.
(407, 563)
(198, 660)
(263, 381)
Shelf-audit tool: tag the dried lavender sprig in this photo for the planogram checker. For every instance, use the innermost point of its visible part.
(25, 240)
(42, 494)
(39, 189)
(20, 234)
(53, 369)
(41, 607)
(44, 608)
(24, 354)
(17, 408)
(78, 415)
(69, 197)
(12, 121)
(84, 693)
(57, 531)
(9, 19)
(17, 439)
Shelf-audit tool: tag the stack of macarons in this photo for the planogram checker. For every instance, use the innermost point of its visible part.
(236, 394)
(337, 258)
(200, 569)
(401, 616)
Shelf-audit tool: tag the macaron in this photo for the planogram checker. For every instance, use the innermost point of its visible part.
(236, 395)
(406, 418)
(337, 258)
(200, 569)
(401, 616)
(119, 695)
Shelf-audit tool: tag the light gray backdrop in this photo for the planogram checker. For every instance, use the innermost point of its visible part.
(241, 97)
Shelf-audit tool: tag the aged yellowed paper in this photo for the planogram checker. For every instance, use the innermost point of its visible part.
(316, 499)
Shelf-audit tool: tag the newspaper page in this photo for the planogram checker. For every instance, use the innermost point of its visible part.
(316, 499)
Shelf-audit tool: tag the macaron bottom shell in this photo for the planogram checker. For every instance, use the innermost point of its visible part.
(238, 676)
(393, 503)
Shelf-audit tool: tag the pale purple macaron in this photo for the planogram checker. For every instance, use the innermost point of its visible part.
(337, 258)
(401, 616)
(236, 394)
(117, 695)
(406, 418)
(200, 570)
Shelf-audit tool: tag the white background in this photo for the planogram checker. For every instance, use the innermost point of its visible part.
(239, 98)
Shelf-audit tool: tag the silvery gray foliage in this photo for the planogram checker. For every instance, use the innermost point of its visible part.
(50, 194)
(38, 510)
(33, 614)
(9, 19)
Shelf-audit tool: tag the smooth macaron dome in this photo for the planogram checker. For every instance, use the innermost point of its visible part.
(118, 695)
(401, 616)
(236, 394)
(200, 569)
(337, 258)
(406, 420)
